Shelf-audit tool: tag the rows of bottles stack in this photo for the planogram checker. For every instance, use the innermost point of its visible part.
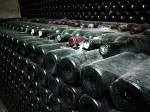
(74, 66)
(120, 10)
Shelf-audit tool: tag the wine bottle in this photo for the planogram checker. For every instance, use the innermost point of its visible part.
(17, 59)
(68, 109)
(65, 35)
(126, 27)
(100, 38)
(115, 5)
(24, 63)
(145, 16)
(71, 96)
(134, 16)
(70, 66)
(53, 58)
(23, 43)
(55, 29)
(76, 40)
(55, 84)
(45, 32)
(45, 108)
(9, 40)
(98, 76)
(30, 47)
(140, 28)
(31, 71)
(89, 104)
(56, 103)
(14, 41)
(41, 51)
(147, 32)
(33, 89)
(124, 16)
(128, 43)
(35, 31)
(52, 36)
(41, 76)
(44, 94)
(32, 25)
(132, 89)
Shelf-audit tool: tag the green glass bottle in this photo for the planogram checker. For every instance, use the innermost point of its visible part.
(53, 58)
(127, 43)
(71, 95)
(98, 39)
(90, 104)
(130, 92)
(98, 76)
(23, 43)
(70, 66)
(41, 51)
(30, 47)
(65, 37)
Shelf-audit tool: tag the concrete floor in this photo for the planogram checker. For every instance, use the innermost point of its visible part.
(2, 107)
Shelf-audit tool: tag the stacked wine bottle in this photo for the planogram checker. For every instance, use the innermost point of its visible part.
(120, 10)
(59, 68)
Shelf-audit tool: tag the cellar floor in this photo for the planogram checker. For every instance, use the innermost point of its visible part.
(2, 107)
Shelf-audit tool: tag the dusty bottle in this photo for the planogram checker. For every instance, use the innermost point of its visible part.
(41, 76)
(56, 103)
(55, 84)
(139, 28)
(52, 30)
(31, 70)
(16, 40)
(147, 32)
(53, 58)
(89, 104)
(132, 89)
(44, 94)
(76, 40)
(31, 26)
(126, 27)
(41, 51)
(52, 36)
(128, 43)
(65, 35)
(71, 65)
(30, 48)
(17, 59)
(24, 63)
(10, 39)
(35, 31)
(71, 96)
(23, 43)
(98, 76)
(95, 42)
(44, 32)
